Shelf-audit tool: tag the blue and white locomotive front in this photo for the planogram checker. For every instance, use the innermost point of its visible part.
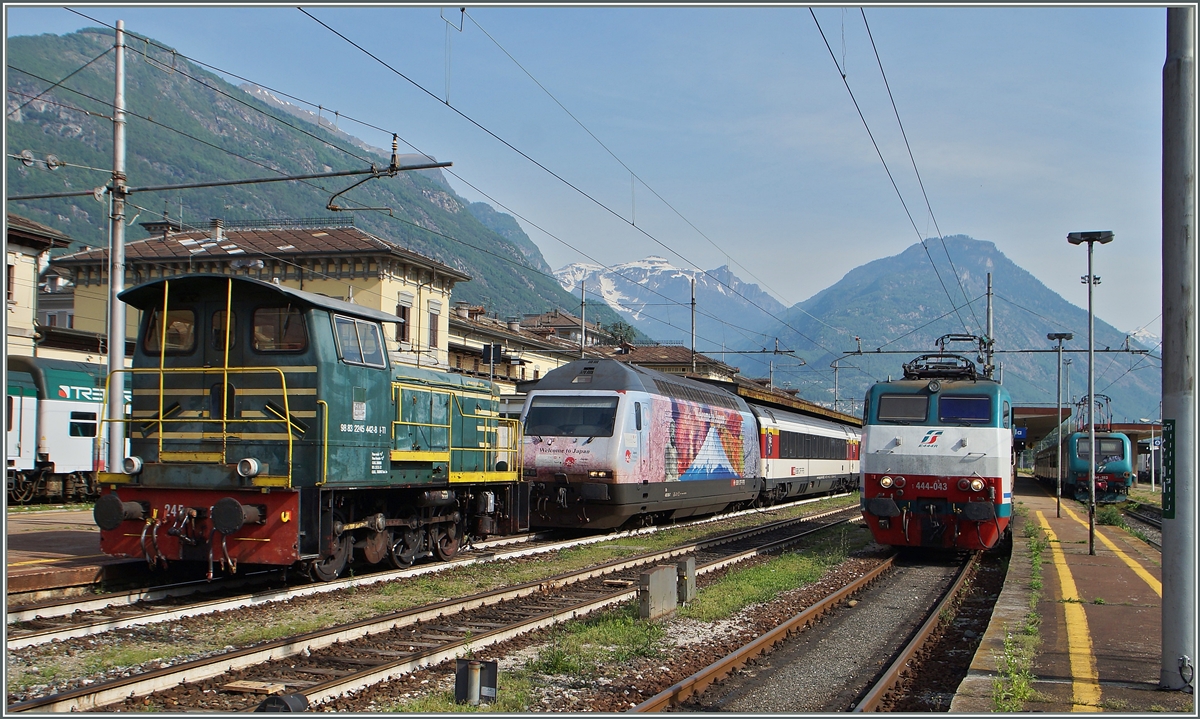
(936, 463)
(606, 442)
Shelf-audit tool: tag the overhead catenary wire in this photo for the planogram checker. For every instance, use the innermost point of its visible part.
(288, 124)
(917, 172)
(184, 74)
(59, 82)
(323, 189)
(888, 170)
(555, 175)
(635, 175)
(175, 54)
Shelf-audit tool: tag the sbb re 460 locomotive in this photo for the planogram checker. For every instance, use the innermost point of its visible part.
(937, 462)
(270, 427)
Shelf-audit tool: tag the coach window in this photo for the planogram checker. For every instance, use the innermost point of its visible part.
(218, 330)
(181, 332)
(1007, 418)
(359, 341)
(279, 329)
(965, 410)
(83, 424)
(902, 408)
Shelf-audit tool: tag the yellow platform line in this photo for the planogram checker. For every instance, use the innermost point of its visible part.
(1085, 679)
(53, 560)
(1138, 569)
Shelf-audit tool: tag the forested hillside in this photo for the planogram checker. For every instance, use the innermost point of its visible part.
(187, 125)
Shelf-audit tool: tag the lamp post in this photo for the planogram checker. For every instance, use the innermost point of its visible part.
(1091, 238)
(1059, 336)
(1070, 402)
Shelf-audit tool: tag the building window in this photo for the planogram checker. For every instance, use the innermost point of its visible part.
(402, 327)
(475, 365)
(12, 275)
(52, 319)
(522, 373)
(433, 331)
(537, 374)
(458, 361)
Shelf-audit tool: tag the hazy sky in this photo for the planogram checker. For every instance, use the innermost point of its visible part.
(1026, 123)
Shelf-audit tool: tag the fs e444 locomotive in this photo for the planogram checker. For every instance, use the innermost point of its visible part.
(937, 458)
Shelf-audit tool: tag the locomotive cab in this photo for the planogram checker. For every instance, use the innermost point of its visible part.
(270, 427)
(936, 464)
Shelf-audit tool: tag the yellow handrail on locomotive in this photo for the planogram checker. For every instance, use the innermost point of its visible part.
(428, 453)
(324, 443)
(225, 370)
(511, 448)
(160, 420)
(513, 435)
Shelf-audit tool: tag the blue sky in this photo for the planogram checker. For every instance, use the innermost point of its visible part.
(1026, 123)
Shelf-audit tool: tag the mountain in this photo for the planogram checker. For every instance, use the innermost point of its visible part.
(898, 303)
(655, 298)
(186, 125)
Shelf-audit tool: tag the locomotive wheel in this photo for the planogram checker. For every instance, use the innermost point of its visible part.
(331, 567)
(447, 544)
(376, 546)
(403, 548)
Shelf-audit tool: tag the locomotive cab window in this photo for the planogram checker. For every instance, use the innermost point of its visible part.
(902, 408)
(964, 410)
(359, 341)
(1111, 449)
(279, 329)
(571, 416)
(180, 332)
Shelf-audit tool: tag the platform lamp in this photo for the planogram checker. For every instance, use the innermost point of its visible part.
(1060, 337)
(1091, 238)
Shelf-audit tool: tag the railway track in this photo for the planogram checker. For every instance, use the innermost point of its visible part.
(1152, 524)
(328, 663)
(62, 620)
(702, 691)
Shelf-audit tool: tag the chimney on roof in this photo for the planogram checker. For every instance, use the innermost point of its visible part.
(217, 226)
(514, 324)
(463, 309)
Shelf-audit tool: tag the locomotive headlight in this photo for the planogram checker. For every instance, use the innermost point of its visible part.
(248, 467)
(963, 485)
(977, 485)
(132, 465)
(600, 474)
(885, 482)
(899, 481)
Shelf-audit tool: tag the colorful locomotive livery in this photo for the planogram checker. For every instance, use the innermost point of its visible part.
(1114, 467)
(53, 413)
(269, 427)
(937, 461)
(607, 443)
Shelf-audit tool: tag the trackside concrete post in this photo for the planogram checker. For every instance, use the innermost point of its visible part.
(686, 582)
(657, 592)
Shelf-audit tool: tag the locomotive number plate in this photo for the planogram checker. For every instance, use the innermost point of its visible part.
(934, 486)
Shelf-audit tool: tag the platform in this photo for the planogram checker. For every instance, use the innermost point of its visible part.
(56, 553)
(1099, 617)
